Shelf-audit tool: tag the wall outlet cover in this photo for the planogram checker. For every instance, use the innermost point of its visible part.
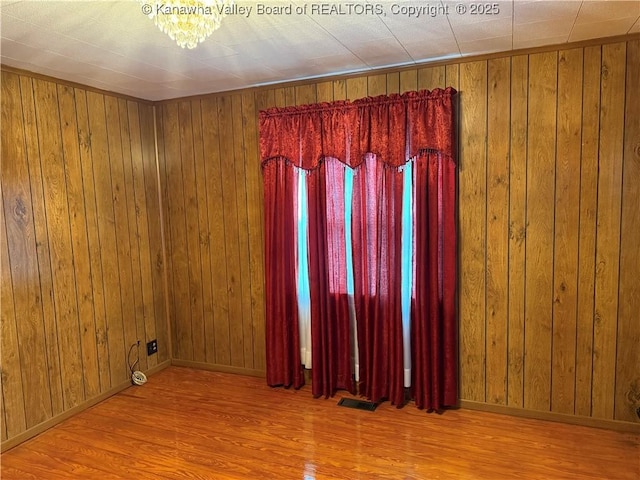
(152, 347)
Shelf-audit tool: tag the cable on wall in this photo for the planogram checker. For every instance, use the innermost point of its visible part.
(137, 377)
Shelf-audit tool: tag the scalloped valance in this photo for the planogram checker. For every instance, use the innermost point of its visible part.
(395, 128)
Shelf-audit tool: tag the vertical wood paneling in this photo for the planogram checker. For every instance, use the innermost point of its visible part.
(452, 77)
(68, 270)
(255, 215)
(13, 406)
(472, 164)
(264, 100)
(393, 83)
(627, 395)
(279, 99)
(356, 88)
(408, 80)
(587, 234)
(80, 243)
(3, 415)
(339, 90)
(540, 221)
(58, 229)
(567, 218)
(517, 229)
(179, 263)
(136, 322)
(193, 326)
(305, 95)
(51, 344)
(376, 85)
(608, 229)
(213, 171)
(7, 324)
(230, 206)
(23, 266)
(162, 270)
(122, 241)
(91, 224)
(289, 96)
(283, 97)
(106, 235)
(324, 93)
(431, 78)
(140, 241)
(147, 199)
(164, 168)
(203, 331)
(245, 321)
(497, 312)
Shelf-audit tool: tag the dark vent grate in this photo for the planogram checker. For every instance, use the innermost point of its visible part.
(359, 404)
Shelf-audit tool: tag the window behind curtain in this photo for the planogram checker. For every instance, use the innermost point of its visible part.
(304, 297)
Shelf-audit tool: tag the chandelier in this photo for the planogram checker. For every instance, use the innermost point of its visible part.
(187, 22)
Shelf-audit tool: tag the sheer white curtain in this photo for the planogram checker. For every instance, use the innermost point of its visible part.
(302, 253)
(348, 196)
(407, 268)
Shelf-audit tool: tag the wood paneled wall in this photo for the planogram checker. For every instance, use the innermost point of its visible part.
(549, 224)
(549, 308)
(81, 247)
(214, 230)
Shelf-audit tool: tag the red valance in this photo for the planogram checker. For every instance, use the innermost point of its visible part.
(395, 128)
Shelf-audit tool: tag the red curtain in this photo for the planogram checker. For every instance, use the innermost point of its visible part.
(330, 341)
(282, 340)
(377, 233)
(376, 135)
(433, 317)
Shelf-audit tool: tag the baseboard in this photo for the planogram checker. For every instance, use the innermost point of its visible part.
(53, 421)
(218, 368)
(616, 425)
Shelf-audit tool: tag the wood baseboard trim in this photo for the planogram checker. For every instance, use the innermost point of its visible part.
(212, 367)
(53, 421)
(616, 425)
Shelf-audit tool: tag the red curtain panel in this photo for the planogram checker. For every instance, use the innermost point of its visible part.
(282, 341)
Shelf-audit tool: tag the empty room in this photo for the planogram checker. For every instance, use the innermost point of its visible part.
(320, 240)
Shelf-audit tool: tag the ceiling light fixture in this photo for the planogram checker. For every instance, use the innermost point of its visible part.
(188, 22)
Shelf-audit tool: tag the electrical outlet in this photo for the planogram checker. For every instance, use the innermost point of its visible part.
(152, 347)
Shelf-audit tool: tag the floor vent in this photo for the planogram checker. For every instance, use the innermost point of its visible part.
(359, 404)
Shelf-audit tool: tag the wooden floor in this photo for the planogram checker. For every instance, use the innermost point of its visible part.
(203, 425)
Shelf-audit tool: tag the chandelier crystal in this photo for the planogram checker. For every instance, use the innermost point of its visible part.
(187, 22)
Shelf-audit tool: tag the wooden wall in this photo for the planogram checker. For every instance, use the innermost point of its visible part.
(80, 244)
(549, 222)
(212, 184)
(549, 301)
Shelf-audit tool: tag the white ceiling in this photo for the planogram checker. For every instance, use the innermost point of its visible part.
(113, 46)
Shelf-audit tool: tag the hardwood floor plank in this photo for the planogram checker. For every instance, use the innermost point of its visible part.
(209, 425)
(15, 473)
